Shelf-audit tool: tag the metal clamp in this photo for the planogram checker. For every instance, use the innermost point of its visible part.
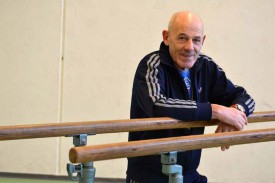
(85, 172)
(71, 168)
(170, 168)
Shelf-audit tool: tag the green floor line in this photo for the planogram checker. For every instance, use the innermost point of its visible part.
(13, 180)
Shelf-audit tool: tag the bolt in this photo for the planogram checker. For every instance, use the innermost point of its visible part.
(83, 142)
(173, 160)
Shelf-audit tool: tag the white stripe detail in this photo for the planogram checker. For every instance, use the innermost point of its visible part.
(154, 87)
(251, 110)
(149, 65)
(251, 105)
(177, 101)
(248, 101)
(175, 106)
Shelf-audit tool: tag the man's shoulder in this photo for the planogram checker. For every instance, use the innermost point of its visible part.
(202, 56)
(150, 58)
(206, 60)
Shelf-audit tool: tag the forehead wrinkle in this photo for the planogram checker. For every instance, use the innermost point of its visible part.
(188, 30)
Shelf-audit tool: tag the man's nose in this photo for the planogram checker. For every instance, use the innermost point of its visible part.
(189, 45)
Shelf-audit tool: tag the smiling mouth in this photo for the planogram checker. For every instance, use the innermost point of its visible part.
(186, 56)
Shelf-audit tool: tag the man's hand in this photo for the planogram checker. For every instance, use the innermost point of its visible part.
(229, 116)
(223, 127)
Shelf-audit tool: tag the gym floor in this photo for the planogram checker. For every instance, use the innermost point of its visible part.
(26, 180)
(23, 180)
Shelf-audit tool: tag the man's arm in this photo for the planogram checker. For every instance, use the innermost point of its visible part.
(230, 103)
(226, 127)
(229, 115)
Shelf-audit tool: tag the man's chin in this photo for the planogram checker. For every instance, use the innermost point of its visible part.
(187, 64)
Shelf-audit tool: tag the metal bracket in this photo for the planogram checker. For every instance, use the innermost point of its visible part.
(85, 172)
(170, 168)
(74, 169)
(80, 140)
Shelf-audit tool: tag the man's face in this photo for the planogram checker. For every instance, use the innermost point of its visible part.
(185, 41)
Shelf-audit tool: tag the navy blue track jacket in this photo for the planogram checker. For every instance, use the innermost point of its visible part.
(159, 91)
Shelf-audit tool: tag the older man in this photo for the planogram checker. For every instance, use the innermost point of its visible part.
(180, 82)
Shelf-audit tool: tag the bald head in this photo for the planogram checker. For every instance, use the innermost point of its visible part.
(185, 18)
(184, 38)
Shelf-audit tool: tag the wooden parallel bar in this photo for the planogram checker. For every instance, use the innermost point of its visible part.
(156, 146)
(111, 126)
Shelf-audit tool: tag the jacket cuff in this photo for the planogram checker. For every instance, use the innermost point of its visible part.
(204, 111)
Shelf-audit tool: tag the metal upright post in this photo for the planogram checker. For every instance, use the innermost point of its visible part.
(170, 168)
(88, 173)
(85, 172)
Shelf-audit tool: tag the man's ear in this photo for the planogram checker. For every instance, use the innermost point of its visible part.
(203, 39)
(165, 35)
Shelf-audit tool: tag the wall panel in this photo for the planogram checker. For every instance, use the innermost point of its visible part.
(29, 77)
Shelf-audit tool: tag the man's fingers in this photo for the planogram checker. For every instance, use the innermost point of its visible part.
(223, 148)
(245, 118)
(242, 122)
(230, 130)
(224, 129)
(239, 126)
(219, 129)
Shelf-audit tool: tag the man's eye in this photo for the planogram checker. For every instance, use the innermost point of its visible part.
(197, 41)
(182, 38)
